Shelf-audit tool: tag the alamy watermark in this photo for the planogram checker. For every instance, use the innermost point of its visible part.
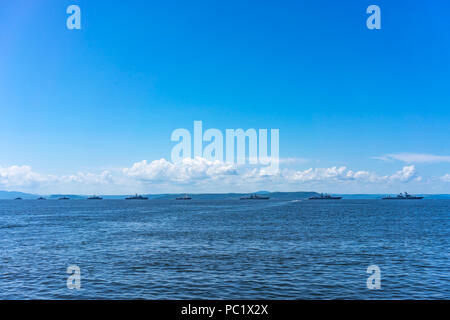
(74, 278)
(235, 148)
(74, 20)
(374, 20)
(374, 280)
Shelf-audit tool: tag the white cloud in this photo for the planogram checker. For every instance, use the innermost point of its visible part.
(24, 178)
(414, 158)
(446, 178)
(406, 174)
(199, 175)
(293, 160)
(104, 177)
(324, 174)
(343, 174)
(185, 171)
(19, 176)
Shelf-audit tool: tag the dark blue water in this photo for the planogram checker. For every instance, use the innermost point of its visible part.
(225, 249)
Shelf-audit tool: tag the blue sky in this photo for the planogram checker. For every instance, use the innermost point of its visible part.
(77, 106)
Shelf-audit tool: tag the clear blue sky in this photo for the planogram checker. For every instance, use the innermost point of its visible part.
(109, 95)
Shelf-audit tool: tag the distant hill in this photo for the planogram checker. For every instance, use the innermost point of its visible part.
(5, 195)
(218, 196)
(14, 194)
(435, 196)
(379, 196)
(205, 196)
(70, 196)
(360, 196)
(231, 196)
(292, 195)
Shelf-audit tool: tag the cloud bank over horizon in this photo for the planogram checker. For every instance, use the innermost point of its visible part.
(414, 158)
(200, 175)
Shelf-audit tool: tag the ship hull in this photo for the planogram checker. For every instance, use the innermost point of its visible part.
(333, 198)
(412, 198)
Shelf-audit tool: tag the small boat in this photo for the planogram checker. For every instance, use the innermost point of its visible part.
(19, 198)
(94, 197)
(185, 197)
(255, 197)
(64, 198)
(136, 197)
(325, 197)
(402, 196)
(41, 198)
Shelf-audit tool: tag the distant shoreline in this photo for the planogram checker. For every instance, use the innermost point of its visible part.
(11, 195)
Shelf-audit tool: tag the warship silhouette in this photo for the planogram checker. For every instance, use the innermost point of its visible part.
(185, 197)
(94, 197)
(402, 196)
(325, 197)
(255, 197)
(136, 197)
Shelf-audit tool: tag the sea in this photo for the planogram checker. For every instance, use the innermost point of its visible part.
(224, 249)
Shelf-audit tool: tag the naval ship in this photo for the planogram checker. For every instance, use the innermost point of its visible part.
(185, 197)
(94, 197)
(402, 196)
(136, 197)
(325, 197)
(255, 197)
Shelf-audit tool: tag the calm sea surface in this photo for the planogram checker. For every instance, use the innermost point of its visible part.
(224, 249)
